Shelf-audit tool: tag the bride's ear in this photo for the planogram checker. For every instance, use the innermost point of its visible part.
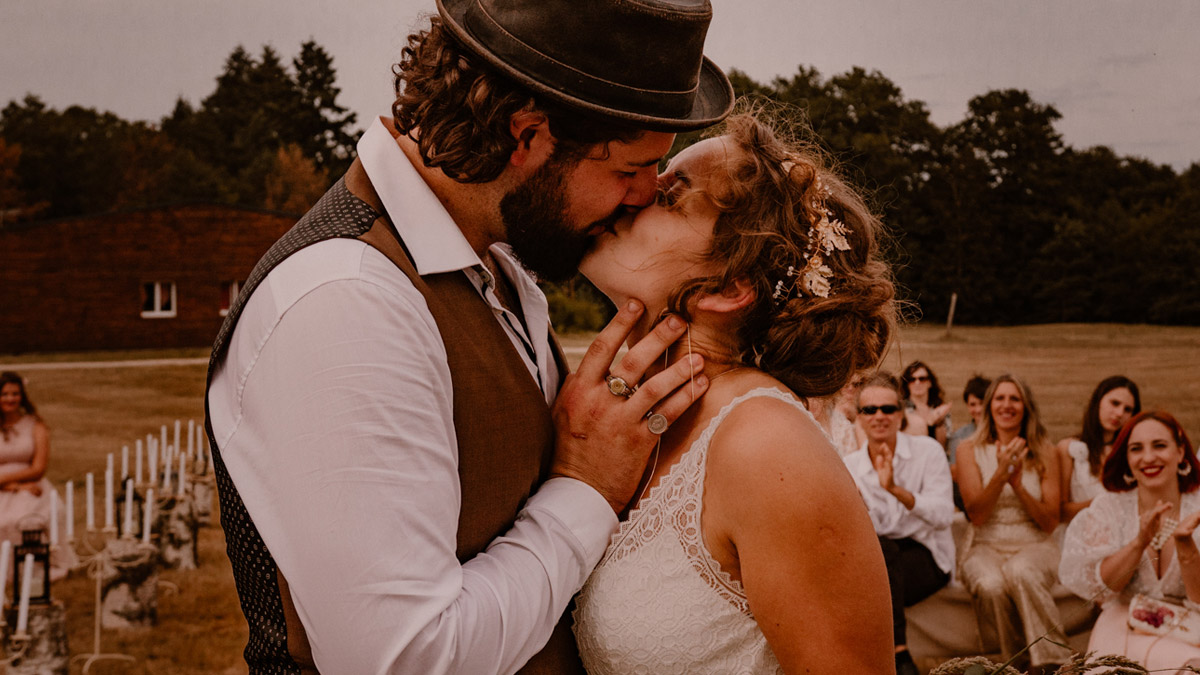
(735, 297)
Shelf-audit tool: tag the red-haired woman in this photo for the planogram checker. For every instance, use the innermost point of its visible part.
(1139, 539)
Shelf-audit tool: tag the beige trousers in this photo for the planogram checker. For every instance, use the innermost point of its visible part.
(1011, 586)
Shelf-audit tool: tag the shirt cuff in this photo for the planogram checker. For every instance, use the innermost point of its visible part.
(580, 508)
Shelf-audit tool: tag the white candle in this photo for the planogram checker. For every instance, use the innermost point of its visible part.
(26, 587)
(128, 530)
(162, 446)
(91, 503)
(124, 462)
(175, 439)
(137, 464)
(152, 451)
(109, 505)
(53, 517)
(182, 475)
(108, 466)
(5, 554)
(166, 484)
(191, 438)
(70, 519)
(147, 516)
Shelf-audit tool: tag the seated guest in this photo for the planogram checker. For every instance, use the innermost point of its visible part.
(923, 404)
(24, 454)
(1114, 401)
(905, 482)
(972, 395)
(1008, 476)
(1138, 538)
(836, 416)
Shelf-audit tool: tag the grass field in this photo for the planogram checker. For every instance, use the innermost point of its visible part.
(95, 410)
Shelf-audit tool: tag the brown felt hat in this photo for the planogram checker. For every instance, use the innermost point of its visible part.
(641, 61)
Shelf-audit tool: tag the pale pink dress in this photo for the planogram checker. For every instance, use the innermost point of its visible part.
(1110, 522)
(23, 507)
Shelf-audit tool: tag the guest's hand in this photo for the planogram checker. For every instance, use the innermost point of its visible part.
(1150, 521)
(32, 487)
(604, 439)
(884, 468)
(1183, 533)
(938, 414)
(1010, 458)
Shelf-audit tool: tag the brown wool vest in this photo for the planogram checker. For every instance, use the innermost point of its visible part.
(503, 426)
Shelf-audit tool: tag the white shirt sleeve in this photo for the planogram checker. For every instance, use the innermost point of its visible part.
(333, 412)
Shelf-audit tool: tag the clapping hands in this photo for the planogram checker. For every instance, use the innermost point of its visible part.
(883, 467)
(1010, 458)
(1150, 522)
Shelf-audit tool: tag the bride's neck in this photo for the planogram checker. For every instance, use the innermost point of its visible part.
(699, 339)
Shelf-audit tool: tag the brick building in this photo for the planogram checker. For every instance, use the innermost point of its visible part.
(149, 278)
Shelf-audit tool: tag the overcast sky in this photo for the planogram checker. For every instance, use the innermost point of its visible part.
(1123, 73)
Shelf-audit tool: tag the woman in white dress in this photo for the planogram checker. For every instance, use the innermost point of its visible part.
(1139, 537)
(1113, 402)
(749, 549)
(1008, 476)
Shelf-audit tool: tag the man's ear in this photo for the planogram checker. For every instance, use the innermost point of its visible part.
(532, 131)
(735, 297)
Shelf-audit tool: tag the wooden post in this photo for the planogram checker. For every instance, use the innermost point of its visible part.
(950, 316)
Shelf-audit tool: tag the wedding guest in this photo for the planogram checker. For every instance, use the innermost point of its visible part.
(925, 408)
(973, 393)
(1008, 478)
(1113, 402)
(1137, 540)
(24, 455)
(905, 482)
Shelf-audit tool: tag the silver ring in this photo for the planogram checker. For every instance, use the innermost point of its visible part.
(619, 387)
(657, 423)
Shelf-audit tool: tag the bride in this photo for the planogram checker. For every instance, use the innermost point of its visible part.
(748, 548)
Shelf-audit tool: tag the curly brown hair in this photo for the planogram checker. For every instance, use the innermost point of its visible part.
(461, 109)
(814, 345)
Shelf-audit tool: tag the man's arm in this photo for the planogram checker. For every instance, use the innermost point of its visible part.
(342, 447)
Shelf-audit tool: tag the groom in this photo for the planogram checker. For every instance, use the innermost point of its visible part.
(396, 492)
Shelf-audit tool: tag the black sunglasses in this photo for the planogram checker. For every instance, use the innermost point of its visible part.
(872, 409)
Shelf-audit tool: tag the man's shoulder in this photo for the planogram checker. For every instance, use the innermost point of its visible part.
(925, 446)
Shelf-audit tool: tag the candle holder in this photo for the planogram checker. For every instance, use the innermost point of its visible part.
(14, 646)
(97, 559)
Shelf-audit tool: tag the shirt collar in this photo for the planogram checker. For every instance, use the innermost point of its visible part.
(433, 239)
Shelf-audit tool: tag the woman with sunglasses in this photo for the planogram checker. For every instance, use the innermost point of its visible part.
(925, 408)
(905, 482)
(1008, 476)
(1138, 538)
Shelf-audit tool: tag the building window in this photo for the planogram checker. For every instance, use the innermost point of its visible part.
(158, 300)
(229, 293)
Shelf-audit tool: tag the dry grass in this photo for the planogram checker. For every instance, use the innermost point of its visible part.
(94, 411)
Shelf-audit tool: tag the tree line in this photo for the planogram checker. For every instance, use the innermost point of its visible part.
(995, 208)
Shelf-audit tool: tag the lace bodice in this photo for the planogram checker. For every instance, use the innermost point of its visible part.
(1110, 522)
(1010, 523)
(658, 602)
(1084, 485)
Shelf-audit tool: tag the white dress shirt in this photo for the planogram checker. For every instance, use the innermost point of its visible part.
(333, 410)
(918, 465)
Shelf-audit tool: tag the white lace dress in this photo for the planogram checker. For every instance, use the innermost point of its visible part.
(1110, 522)
(658, 602)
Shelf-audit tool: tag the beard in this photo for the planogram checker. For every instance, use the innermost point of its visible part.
(543, 240)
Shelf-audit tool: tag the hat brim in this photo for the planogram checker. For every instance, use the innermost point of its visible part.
(713, 102)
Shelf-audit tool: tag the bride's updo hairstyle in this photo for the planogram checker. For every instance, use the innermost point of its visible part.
(812, 324)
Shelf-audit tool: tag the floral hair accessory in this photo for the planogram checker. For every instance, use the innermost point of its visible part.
(826, 234)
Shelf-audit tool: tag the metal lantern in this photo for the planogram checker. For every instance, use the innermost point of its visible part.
(33, 541)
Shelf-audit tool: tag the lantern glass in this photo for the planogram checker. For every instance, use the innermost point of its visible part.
(33, 541)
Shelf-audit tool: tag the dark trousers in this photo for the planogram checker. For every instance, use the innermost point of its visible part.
(912, 576)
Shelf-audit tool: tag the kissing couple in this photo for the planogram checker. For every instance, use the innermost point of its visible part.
(410, 478)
